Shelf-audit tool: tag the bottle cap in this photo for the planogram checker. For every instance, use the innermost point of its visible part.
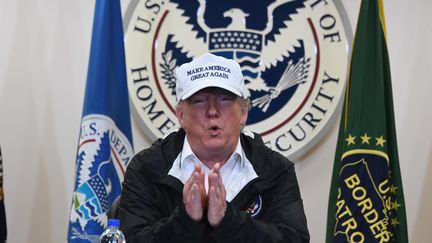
(114, 222)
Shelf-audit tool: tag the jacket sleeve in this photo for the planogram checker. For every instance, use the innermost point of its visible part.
(283, 219)
(141, 216)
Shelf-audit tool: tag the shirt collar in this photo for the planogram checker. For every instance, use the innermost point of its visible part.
(187, 152)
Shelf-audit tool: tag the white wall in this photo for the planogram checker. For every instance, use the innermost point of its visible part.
(44, 48)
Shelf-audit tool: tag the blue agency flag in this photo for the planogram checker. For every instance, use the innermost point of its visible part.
(105, 142)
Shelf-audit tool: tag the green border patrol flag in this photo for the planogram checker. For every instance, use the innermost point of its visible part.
(366, 202)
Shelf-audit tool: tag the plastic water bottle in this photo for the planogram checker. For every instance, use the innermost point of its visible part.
(112, 234)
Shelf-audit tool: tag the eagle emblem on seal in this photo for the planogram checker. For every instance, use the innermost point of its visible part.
(250, 37)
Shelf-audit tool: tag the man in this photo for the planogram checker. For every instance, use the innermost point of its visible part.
(209, 182)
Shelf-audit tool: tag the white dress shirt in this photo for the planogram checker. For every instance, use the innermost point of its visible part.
(235, 173)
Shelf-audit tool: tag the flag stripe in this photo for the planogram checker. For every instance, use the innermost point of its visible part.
(119, 164)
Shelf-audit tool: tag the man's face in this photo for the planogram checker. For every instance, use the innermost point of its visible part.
(212, 119)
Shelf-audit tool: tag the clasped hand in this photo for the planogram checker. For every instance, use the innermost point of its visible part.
(196, 201)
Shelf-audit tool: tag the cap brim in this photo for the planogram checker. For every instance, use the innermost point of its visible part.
(208, 84)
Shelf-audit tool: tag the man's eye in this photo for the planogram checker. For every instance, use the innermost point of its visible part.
(226, 98)
(198, 101)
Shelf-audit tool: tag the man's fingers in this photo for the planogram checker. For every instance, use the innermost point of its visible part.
(188, 184)
(194, 192)
(212, 197)
(214, 183)
(213, 176)
(215, 180)
(216, 168)
(216, 206)
(197, 167)
(222, 187)
(193, 202)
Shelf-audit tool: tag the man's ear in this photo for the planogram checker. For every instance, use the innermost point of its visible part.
(244, 116)
(245, 112)
(179, 114)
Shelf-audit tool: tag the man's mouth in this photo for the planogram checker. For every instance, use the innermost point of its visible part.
(214, 130)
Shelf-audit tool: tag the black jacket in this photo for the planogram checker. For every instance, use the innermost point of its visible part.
(151, 207)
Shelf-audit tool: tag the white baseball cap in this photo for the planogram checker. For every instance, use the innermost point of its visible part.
(206, 71)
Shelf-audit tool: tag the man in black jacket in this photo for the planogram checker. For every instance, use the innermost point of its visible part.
(209, 182)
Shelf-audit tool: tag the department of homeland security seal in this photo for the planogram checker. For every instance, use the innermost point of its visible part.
(293, 55)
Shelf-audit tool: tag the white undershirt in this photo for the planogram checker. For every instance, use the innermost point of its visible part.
(235, 173)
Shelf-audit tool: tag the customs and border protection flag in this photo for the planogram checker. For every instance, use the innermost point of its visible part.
(366, 202)
(105, 142)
